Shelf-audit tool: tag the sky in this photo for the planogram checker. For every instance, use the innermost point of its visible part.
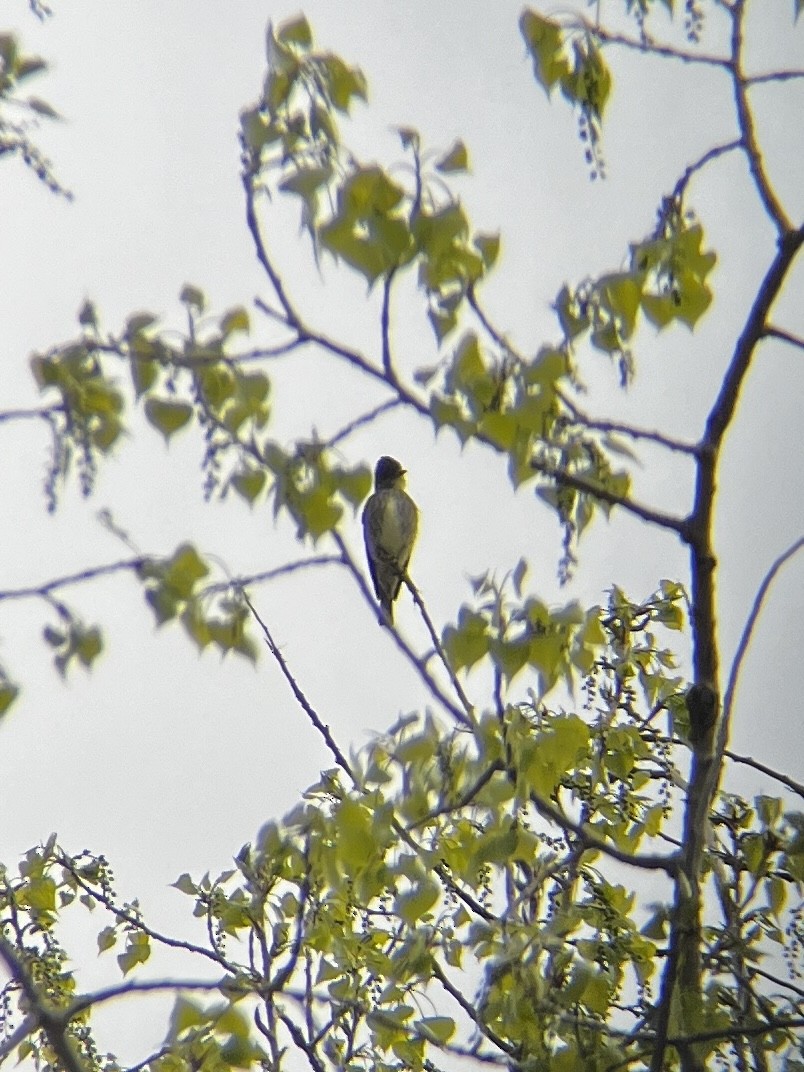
(167, 761)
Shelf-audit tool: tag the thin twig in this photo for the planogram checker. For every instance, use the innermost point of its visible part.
(772, 76)
(43, 590)
(305, 704)
(710, 155)
(471, 1011)
(417, 599)
(653, 48)
(644, 861)
(745, 120)
(135, 921)
(385, 328)
(785, 336)
(748, 628)
(364, 419)
(749, 761)
(627, 429)
(436, 691)
(44, 413)
(88, 1001)
(291, 316)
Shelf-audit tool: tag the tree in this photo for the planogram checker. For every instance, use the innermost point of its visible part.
(468, 887)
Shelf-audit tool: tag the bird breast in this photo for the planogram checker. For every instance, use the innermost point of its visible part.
(397, 524)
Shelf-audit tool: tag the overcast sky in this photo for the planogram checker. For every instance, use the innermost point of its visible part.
(167, 761)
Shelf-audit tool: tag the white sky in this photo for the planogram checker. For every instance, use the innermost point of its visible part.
(168, 762)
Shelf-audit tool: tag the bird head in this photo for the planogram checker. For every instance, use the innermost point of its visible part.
(388, 473)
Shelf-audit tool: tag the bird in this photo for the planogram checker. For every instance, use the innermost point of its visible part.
(390, 523)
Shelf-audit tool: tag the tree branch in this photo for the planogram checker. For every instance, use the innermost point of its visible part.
(749, 761)
(644, 861)
(442, 655)
(745, 122)
(785, 336)
(646, 513)
(626, 429)
(291, 316)
(748, 628)
(436, 691)
(53, 1022)
(712, 154)
(304, 703)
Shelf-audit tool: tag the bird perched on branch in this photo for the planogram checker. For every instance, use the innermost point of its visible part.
(390, 522)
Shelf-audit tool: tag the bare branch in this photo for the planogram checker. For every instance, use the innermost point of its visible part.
(785, 779)
(291, 317)
(88, 1001)
(305, 704)
(363, 420)
(417, 599)
(745, 120)
(45, 413)
(772, 76)
(712, 154)
(785, 336)
(44, 590)
(748, 628)
(646, 513)
(626, 429)
(471, 1010)
(654, 48)
(385, 327)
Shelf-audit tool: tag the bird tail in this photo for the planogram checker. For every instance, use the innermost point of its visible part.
(386, 612)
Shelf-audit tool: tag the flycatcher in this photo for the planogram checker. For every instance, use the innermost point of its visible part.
(390, 521)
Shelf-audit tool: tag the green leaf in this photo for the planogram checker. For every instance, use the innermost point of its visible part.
(138, 322)
(415, 903)
(236, 319)
(544, 41)
(343, 82)
(167, 417)
(40, 894)
(193, 297)
(488, 246)
(163, 603)
(469, 642)
(248, 483)
(455, 159)
(436, 1029)
(138, 950)
(185, 884)
(8, 694)
(355, 844)
(89, 645)
(106, 939)
(185, 568)
(42, 108)
(295, 31)
(659, 309)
